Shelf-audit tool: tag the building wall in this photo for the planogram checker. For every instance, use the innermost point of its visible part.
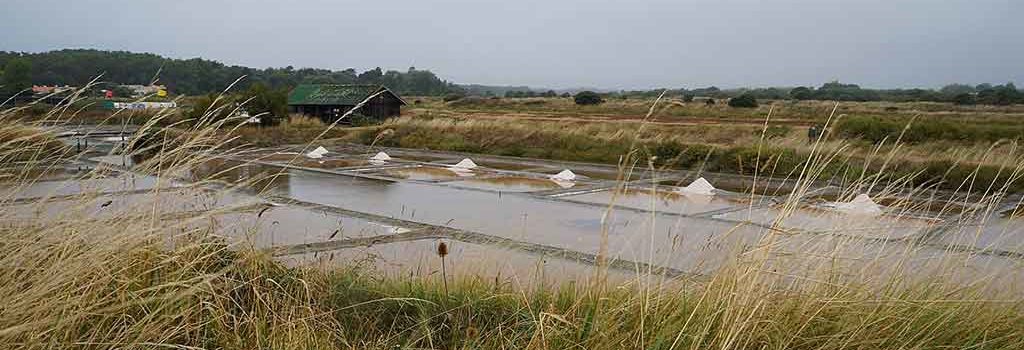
(379, 108)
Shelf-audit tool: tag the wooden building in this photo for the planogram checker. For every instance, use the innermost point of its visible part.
(331, 101)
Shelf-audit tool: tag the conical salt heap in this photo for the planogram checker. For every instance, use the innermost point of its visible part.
(565, 175)
(465, 164)
(381, 156)
(317, 153)
(862, 205)
(699, 186)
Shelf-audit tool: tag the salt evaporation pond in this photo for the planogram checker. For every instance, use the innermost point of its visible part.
(508, 183)
(419, 258)
(660, 200)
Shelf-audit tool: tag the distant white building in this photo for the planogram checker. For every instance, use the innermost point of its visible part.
(144, 90)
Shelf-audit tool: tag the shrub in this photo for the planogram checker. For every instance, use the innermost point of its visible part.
(745, 100)
(588, 98)
(39, 109)
(709, 101)
(801, 93)
(452, 97)
(965, 99)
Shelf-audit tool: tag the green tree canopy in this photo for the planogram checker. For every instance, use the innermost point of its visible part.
(588, 98)
(17, 76)
(198, 76)
(262, 101)
(743, 101)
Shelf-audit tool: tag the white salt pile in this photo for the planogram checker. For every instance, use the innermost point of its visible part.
(317, 153)
(563, 183)
(380, 158)
(699, 186)
(860, 205)
(465, 164)
(565, 175)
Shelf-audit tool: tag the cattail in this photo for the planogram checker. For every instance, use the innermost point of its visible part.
(442, 251)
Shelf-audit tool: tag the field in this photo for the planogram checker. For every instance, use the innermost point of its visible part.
(151, 254)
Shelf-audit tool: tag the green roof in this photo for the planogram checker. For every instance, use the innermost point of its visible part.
(332, 94)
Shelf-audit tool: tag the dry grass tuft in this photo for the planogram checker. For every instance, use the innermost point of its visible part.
(143, 276)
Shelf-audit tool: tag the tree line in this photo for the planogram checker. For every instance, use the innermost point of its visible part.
(196, 76)
(1005, 94)
(77, 67)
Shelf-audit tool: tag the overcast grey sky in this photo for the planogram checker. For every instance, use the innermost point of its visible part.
(560, 43)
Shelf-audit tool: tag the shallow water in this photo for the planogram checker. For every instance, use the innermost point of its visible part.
(806, 238)
(810, 219)
(71, 187)
(994, 233)
(467, 260)
(427, 173)
(508, 183)
(631, 236)
(661, 200)
(284, 225)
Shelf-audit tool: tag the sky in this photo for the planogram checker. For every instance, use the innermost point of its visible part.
(620, 44)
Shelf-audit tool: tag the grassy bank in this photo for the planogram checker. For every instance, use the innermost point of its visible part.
(203, 295)
(792, 112)
(717, 148)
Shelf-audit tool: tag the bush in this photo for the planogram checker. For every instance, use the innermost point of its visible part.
(588, 98)
(745, 100)
(965, 99)
(801, 93)
(453, 97)
(269, 104)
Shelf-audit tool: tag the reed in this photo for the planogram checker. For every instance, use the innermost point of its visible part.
(143, 275)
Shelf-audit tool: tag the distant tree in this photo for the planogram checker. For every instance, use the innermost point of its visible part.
(801, 93)
(17, 76)
(687, 97)
(549, 93)
(372, 76)
(210, 108)
(837, 91)
(1000, 95)
(953, 90)
(566, 95)
(588, 98)
(266, 103)
(745, 100)
(965, 99)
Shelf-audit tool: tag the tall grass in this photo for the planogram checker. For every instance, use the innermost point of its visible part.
(145, 276)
